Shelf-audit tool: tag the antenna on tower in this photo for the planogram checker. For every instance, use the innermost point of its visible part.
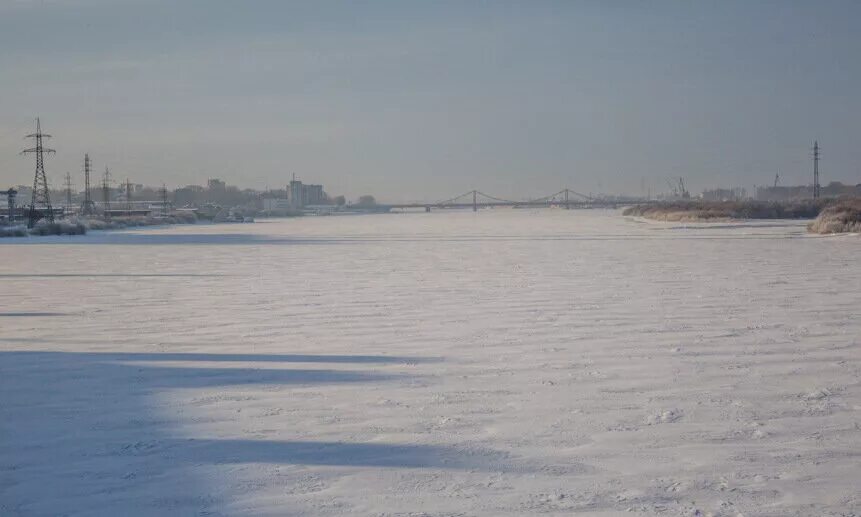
(41, 195)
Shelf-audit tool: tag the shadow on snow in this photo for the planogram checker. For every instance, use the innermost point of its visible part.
(88, 432)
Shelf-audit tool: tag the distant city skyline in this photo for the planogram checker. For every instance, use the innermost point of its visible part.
(420, 101)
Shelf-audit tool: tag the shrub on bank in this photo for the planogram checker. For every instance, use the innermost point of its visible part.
(59, 228)
(45, 228)
(120, 222)
(13, 231)
(841, 217)
(80, 226)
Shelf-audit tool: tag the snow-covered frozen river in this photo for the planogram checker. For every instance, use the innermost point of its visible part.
(509, 362)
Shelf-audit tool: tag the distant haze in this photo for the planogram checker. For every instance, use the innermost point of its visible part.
(425, 100)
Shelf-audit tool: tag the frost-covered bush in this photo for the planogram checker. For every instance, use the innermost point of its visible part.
(58, 228)
(80, 225)
(13, 231)
(120, 222)
(842, 217)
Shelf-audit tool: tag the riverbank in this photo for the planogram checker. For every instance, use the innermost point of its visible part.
(58, 228)
(699, 211)
(118, 223)
(80, 226)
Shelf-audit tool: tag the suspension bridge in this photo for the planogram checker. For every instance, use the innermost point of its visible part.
(475, 199)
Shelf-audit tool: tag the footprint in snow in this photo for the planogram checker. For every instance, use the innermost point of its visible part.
(664, 417)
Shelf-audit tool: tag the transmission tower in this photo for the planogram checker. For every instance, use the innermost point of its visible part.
(10, 199)
(816, 187)
(88, 208)
(40, 182)
(128, 197)
(163, 200)
(106, 190)
(68, 185)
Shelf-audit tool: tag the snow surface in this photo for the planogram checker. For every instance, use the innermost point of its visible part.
(509, 362)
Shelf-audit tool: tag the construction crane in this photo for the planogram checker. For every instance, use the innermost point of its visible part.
(673, 189)
(678, 188)
(684, 192)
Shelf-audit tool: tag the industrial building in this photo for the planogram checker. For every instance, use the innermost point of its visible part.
(276, 205)
(724, 194)
(796, 192)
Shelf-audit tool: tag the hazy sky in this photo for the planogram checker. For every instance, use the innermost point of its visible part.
(425, 100)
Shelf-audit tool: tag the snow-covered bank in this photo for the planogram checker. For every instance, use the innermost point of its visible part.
(44, 228)
(81, 225)
(833, 215)
(698, 210)
(13, 231)
(509, 362)
(116, 223)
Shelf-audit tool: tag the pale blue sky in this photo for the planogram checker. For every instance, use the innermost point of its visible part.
(424, 100)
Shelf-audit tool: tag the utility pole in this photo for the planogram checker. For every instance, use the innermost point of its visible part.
(40, 182)
(106, 190)
(88, 207)
(816, 188)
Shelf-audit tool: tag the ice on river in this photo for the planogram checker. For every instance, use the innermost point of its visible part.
(508, 362)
